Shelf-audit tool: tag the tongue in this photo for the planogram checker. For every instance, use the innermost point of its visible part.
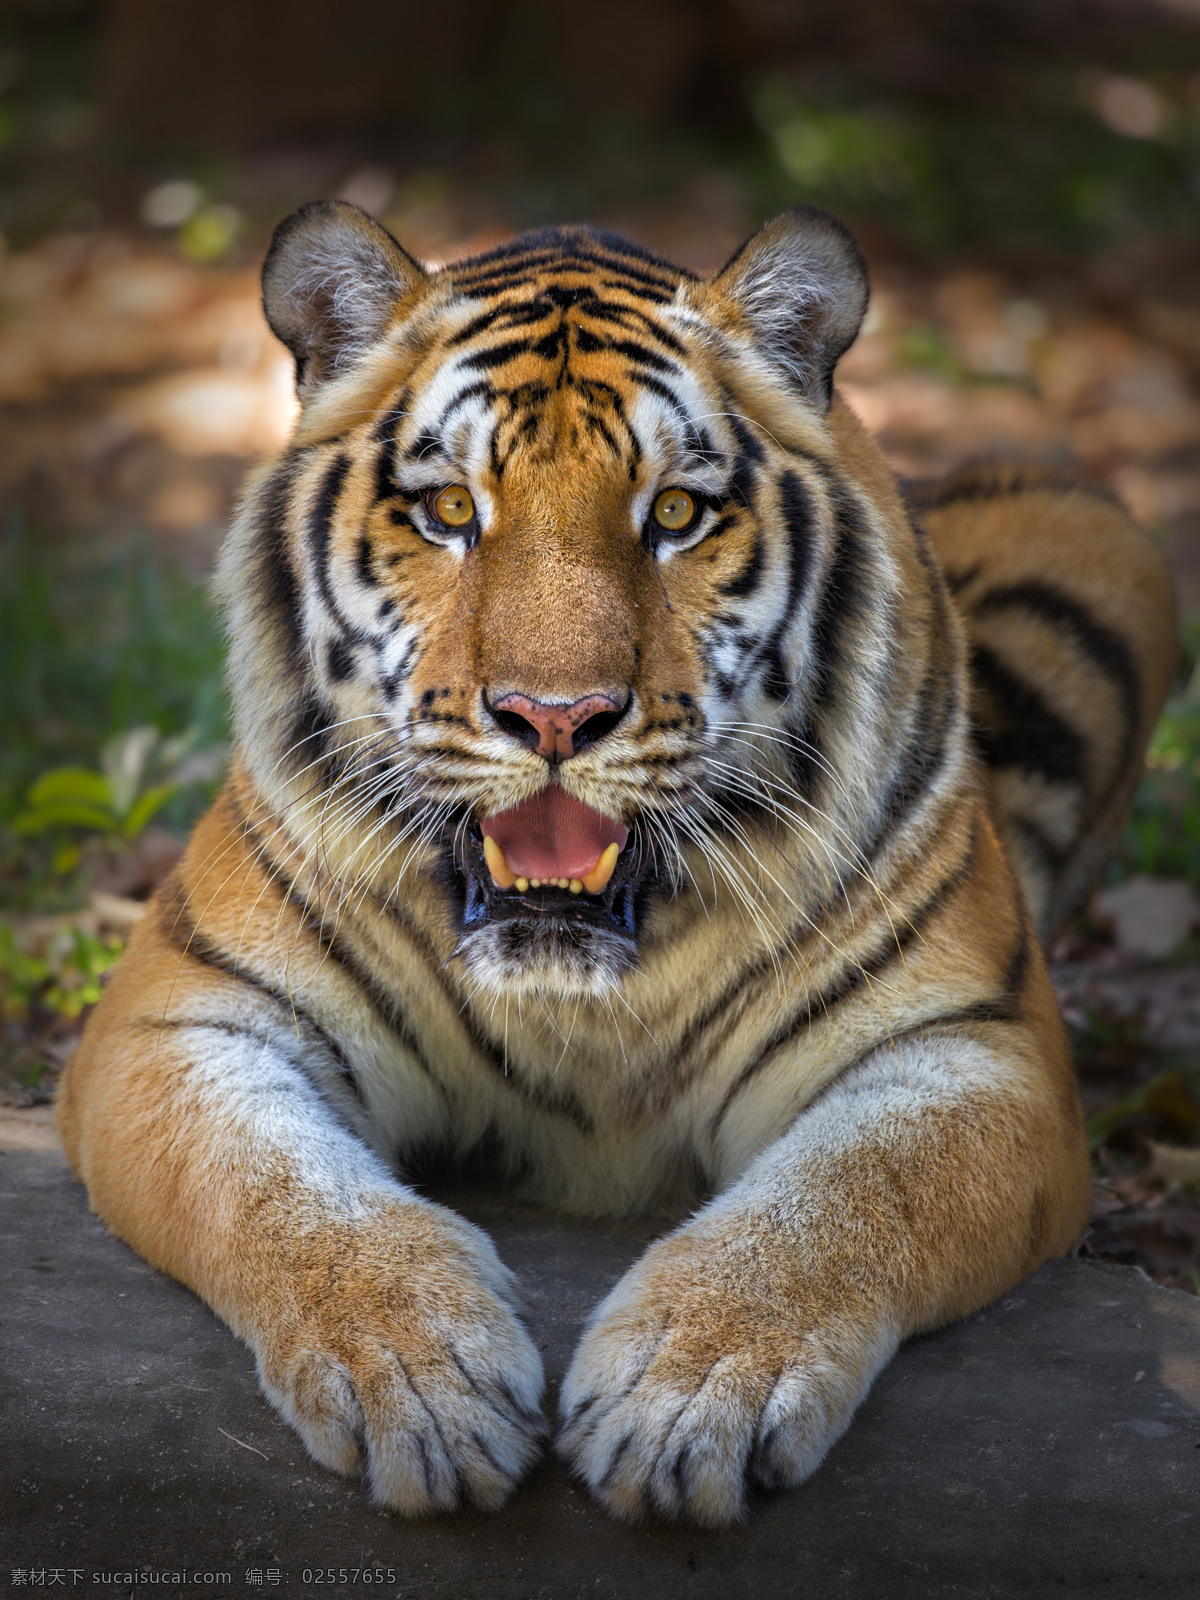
(553, 836)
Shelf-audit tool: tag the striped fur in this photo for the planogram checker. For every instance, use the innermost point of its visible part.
(1070, 617)
(812, 990)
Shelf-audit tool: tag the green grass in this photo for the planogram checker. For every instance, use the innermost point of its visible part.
(88, 651)
(1041, 169)
(1162, 837)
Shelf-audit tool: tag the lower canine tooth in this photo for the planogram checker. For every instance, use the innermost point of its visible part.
(596, 880)
(502, 874)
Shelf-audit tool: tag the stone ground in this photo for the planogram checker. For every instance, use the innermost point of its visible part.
(1048, 1445)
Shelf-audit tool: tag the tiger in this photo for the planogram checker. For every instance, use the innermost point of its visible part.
(635, 781)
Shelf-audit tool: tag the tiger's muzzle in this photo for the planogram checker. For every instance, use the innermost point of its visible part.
(550, 897)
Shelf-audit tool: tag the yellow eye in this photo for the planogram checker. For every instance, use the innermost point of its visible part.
(674, 510)
(453, 507)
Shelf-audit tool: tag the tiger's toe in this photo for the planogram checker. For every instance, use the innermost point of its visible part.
(679, 1405)
(429, 1428)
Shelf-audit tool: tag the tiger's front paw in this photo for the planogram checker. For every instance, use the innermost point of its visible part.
(698, 1378)
(401, 1359)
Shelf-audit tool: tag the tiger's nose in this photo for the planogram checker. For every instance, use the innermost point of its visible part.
(556, 730)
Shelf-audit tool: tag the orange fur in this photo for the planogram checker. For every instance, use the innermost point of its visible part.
(832, 1009)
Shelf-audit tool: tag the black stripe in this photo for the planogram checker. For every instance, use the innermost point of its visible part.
(500, 283)
(1004, 1006)
(638, 353)
(277, 590)
(593, 389)
(722, 525)
(320, 522)
(233, 1031)
(483, 387)
(598, 428)
(1054, 856)
(303, 734)
(340, 661)
(664, 390)
(551, 345)
(561, 257)
(597, 246)
(742, 481)
(392, 683)
(511, 316)
(489, 285)
(1024, 732)
(333, 946)
(628, 318)
(748, 579)
(209, 954)
(385, 462)
(485, 360)
(364, 560)
(1104, 648)
(796, 505)
(847, 582)
(937, 707)
(423, 445)
(851, 979)
(958, 581)
(979, 484)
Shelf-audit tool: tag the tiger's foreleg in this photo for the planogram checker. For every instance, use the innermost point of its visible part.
(931, 1177)
(213, 1141)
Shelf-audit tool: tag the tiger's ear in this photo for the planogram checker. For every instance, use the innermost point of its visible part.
(331, 282)
(800, 285)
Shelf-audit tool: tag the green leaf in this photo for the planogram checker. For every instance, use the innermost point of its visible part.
(21, 976)
(71, 1002)
(64, 816)
(66, 858)
(145, 807)
(72, 786)
(16, 966)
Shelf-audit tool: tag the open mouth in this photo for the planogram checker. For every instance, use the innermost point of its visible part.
(551, 857)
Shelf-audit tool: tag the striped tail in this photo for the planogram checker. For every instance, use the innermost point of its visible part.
(1071, 618)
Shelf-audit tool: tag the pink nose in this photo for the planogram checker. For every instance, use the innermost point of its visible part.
(557, 731)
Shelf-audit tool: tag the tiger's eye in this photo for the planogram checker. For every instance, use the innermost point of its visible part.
(674, 510)
(453, 507)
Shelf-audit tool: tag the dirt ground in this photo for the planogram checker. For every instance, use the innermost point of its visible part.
(136, 388)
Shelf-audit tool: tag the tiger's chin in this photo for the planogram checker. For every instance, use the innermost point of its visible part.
(546, 958)
(547, 942)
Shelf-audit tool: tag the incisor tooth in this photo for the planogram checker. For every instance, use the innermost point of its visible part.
(522, 885)
(596, 880)
(502, 874)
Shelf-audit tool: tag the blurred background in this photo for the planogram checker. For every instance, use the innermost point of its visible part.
(1025, 180)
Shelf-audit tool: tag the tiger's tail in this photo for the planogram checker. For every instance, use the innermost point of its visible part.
(1071, 619)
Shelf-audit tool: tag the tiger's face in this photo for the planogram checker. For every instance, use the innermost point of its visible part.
(552, 515)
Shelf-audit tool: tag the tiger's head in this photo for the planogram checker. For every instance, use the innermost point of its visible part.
(545, 570)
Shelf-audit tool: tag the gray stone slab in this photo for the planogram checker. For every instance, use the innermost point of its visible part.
(1048, 1446)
